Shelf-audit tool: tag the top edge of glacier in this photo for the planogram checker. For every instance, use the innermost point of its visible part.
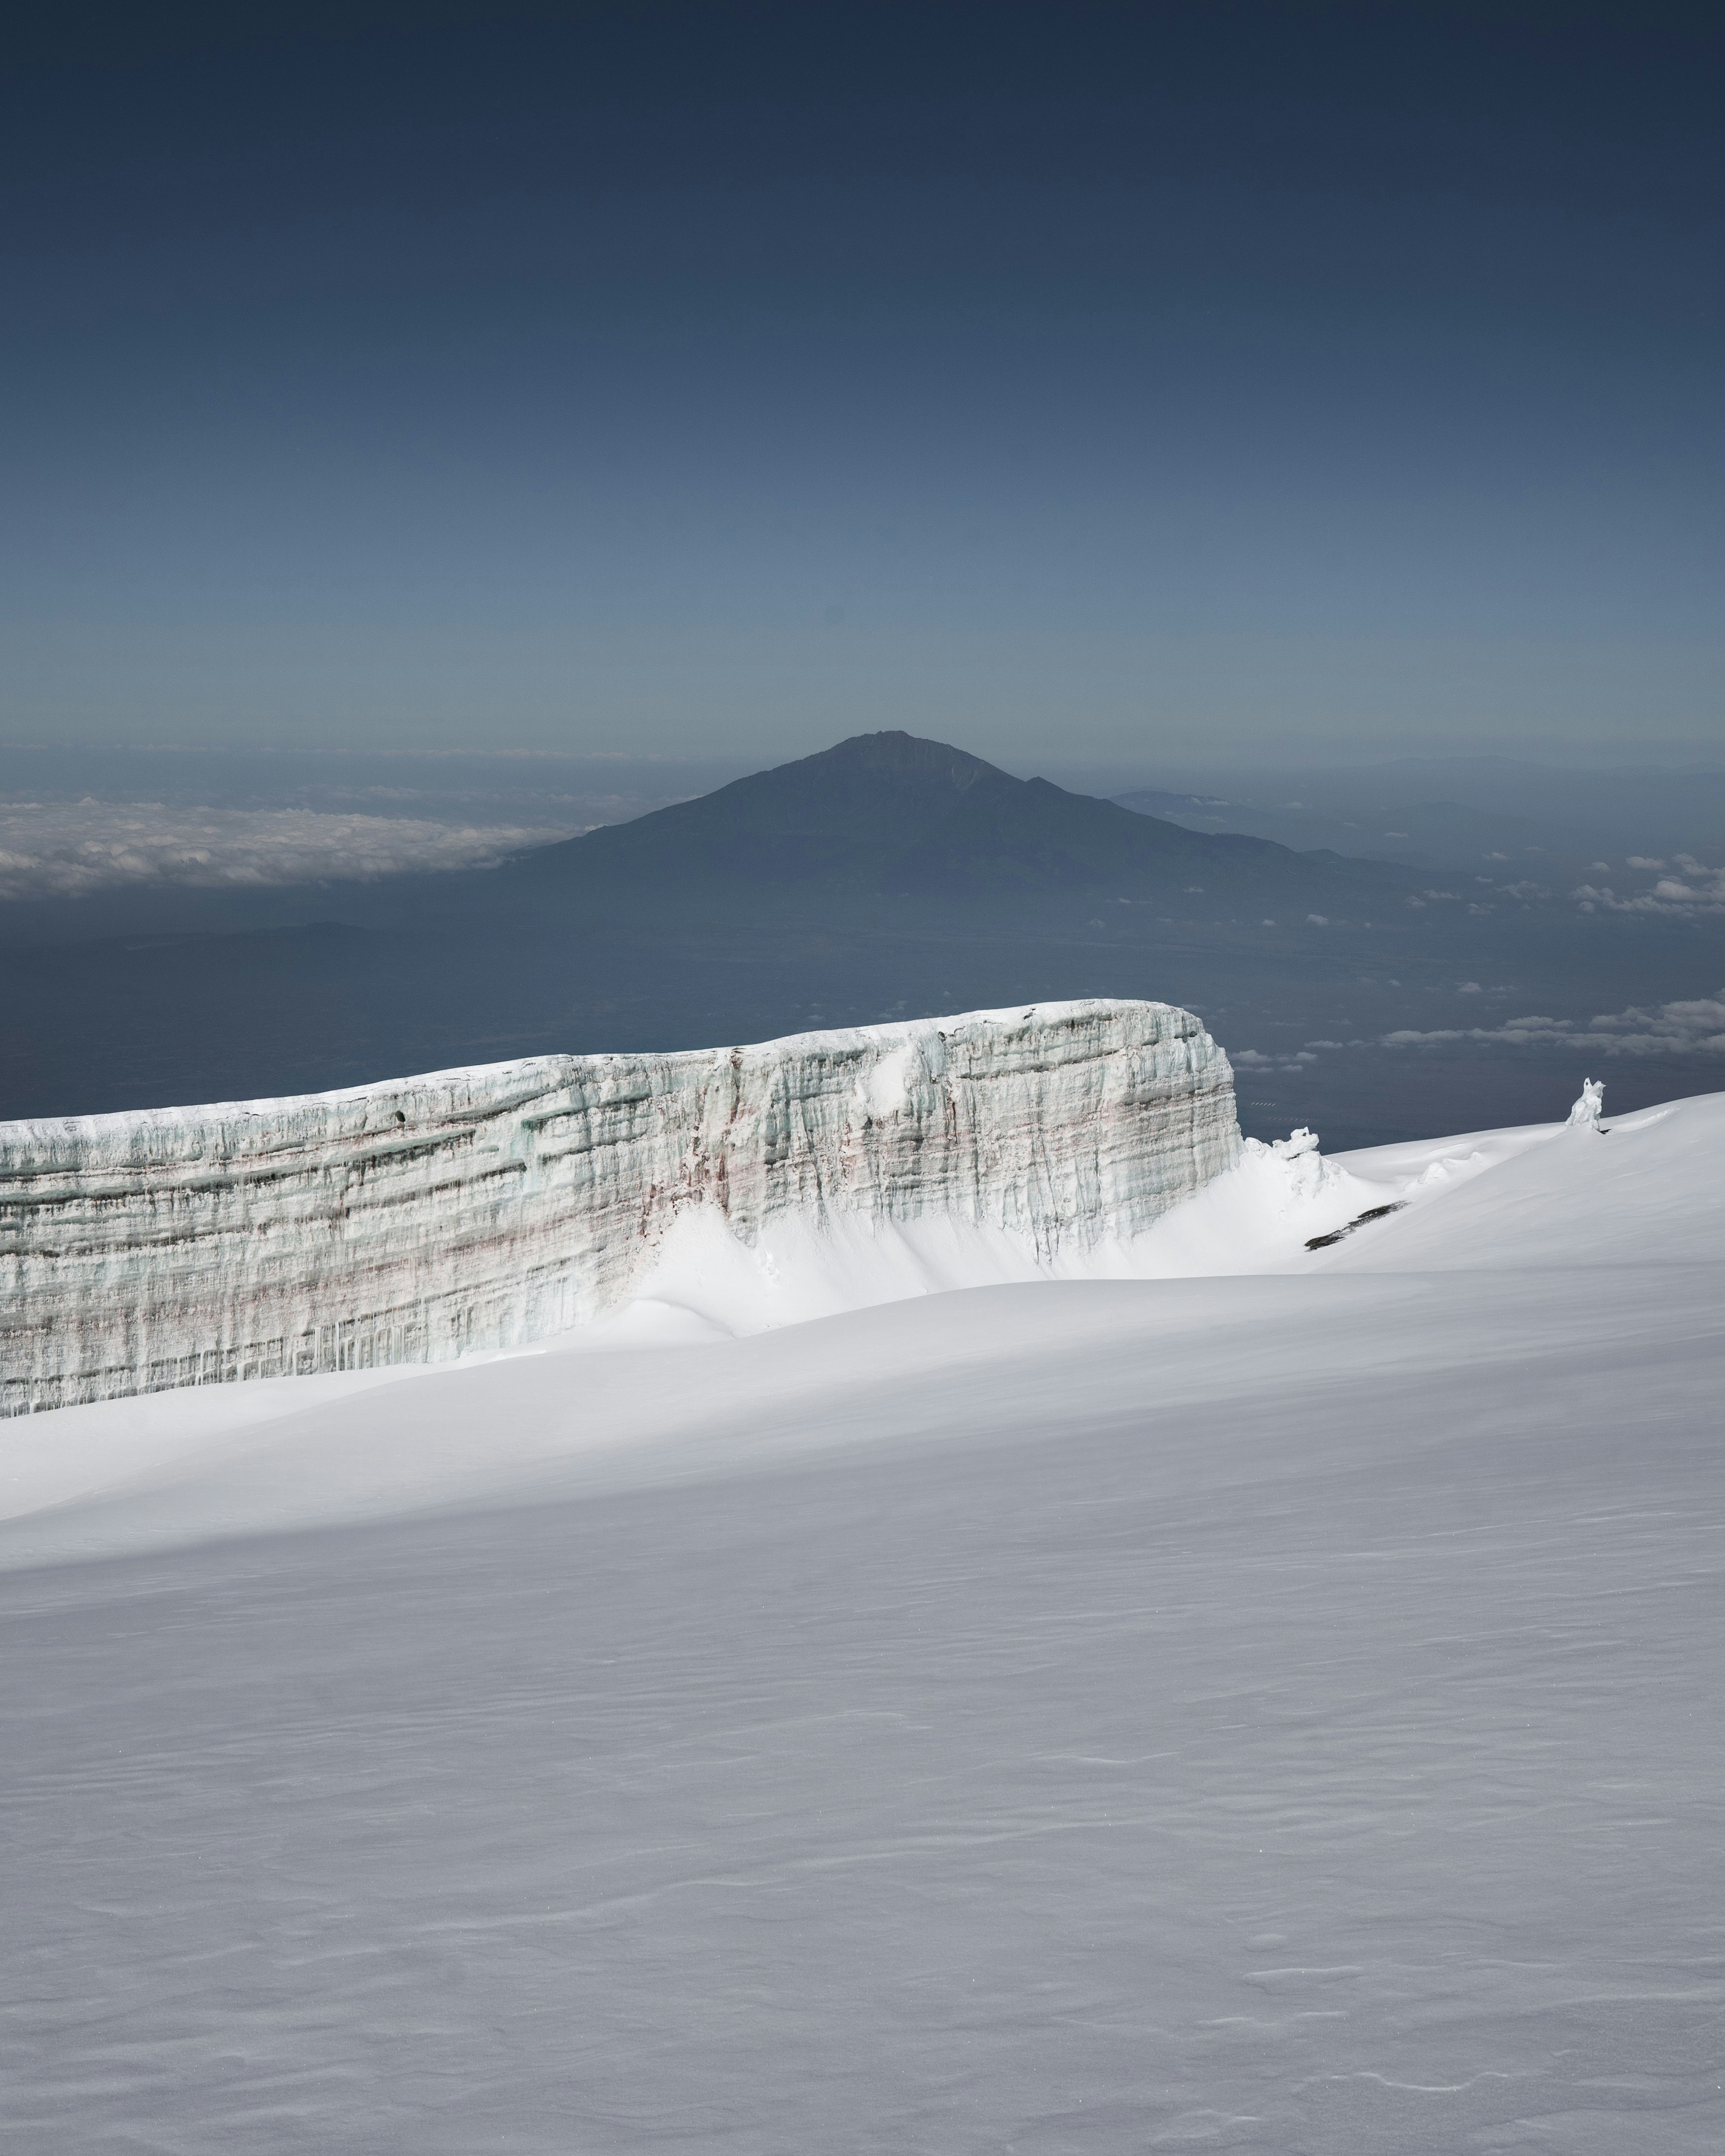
(115, 1122)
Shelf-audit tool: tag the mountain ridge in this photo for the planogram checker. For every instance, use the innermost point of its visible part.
(895, 814)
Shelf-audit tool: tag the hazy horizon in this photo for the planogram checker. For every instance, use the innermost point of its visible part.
(1155, 758)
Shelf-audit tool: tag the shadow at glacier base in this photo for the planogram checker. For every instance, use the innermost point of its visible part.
(204, 998)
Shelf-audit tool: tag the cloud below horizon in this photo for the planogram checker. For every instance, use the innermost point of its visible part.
(71, 849)
(1691, 1027)
(1697, 889)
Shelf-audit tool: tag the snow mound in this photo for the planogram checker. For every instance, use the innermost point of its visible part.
(1585, 1114)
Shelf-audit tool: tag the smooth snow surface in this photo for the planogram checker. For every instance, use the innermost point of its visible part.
(1272, 1705)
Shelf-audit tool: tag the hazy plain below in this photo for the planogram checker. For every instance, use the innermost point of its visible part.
(170, 947)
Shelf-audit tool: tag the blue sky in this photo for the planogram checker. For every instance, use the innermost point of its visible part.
(1111, 383)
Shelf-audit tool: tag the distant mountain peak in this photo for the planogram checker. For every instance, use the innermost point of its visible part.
(892, 814)
(896, 751)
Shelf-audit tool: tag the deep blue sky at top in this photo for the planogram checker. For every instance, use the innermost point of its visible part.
(1066, 381)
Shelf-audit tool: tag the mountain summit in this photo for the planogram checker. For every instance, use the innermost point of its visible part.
(894, 814)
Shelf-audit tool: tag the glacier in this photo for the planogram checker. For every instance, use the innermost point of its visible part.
(1267, 1705)
(474, 1210)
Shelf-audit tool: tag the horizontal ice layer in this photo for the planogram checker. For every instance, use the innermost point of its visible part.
(423, 1218)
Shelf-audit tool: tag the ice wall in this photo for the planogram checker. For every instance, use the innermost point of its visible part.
(414, 1220)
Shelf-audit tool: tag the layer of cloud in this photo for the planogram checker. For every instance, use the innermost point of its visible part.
(1697, 889)
(1696, 1027)
(69, 849)
(1250, 1059)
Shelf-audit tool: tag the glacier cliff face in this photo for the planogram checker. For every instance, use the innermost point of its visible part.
(416, 1220)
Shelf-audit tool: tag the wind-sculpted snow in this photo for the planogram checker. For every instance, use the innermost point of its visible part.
(420, 1219)
(1274, 1714)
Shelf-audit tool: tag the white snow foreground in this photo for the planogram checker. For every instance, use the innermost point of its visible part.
(1272, 1705)
(429, 1218)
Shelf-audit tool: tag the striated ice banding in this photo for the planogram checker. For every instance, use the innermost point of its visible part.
(427, 1218)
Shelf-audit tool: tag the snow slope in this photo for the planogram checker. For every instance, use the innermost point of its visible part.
(1270, 1704)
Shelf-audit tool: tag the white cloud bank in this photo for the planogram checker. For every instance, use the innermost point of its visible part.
(1696, 1028)
(68, 850)
(1251, 1060)
(1697, 889)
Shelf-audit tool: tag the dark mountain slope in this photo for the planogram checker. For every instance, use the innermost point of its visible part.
(892, 815)
(840, 816)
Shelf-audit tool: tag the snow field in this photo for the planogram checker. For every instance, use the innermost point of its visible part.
(1270, 1704)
